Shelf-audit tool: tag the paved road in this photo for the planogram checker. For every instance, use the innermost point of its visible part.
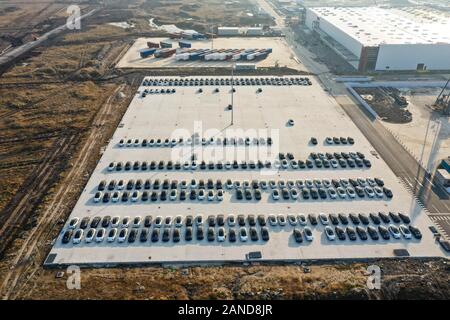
(404, 166)
(9, 56)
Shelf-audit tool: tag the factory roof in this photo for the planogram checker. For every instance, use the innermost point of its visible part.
(373, 26)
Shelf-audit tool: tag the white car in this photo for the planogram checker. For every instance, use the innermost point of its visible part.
(231, 220)
(272, 220)
(211, 195)
(309, 183)
(308, 234)
(100, 235)
(324, 218)
(178, 221)
(199, 220)
(228, 165)
(158, 222)
(121, 143)
(136, 222)
(186, 166)
(201, 195)
(125, 222)
(284, 164)
(194, 165)
(369, 191)
(173, 195)
(378, 192)
(219, 195)
(112, 235)
(302, 219)
(334, 164)
(351, 192)
(221, 235)
(332, 193)
(122, 235)
(294, 164)
(78, 236)
(90, 235)
(294, 194)
(115, 221)
(281, 220)
(341, 192)
(330, 233)
(98, 195)
(74, 222)
(395, 232)
(135, 196)
(275, 194)
(243, 235)
(115, 197)
(136, 143)
(405, 231)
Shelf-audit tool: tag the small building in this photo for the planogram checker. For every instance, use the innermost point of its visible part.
(245, 66)
(256, 31)
(228, 31)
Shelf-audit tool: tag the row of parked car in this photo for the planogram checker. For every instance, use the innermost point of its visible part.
(248, 190)
(285, 164)
(334, 141)
(120, 228)
(231, 220)
(228, 141)
(268, 81)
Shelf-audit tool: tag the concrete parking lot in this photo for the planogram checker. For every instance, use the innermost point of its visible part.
(282, 55)
(169, 115)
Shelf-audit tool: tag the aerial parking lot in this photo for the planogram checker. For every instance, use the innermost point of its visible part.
(281, 55)
(274, 171)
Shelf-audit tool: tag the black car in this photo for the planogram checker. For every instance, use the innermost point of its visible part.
(176, 235)
(297, 234)
(343, 218)
(67, 236)
(314, 193)
(155, 235)
(143, 237)
(322, 193)
(340, 233)
(354, 218)
(253, 234)
(384, 217)
(375, 219)
(105, 221)
(163, 195)
(373, 233)
(395, 217)
(251, 219)
(211, 220)
(95, 222)
(132, 236)
(211, 234)
(248, 195)
(309, 164)
(239, 194)
(384, 232)
(360, 191)
(305, 194)
(361, 233)
(200, 233)
(232, 235)
(388, 192)
(351, 233)
(220, 220)
(313, 141)
(262, 220)
(415, 232)
(166, 235)
(84, 222)
(193, 195)
(241, 220)
(188, 234)
(312, 219)
(404, 218)
(364, 219)
(334, 218)
(154, 196)
(367, 163)
(257, 194)
(265, 233)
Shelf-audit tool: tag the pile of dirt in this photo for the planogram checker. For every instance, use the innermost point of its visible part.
(383, 101)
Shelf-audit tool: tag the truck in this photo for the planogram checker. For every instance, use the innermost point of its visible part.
(165, 44)
(152, 44)
(145, 53)
(184, 44)
(164, 53)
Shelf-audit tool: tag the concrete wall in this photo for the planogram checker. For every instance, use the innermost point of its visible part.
(339, 35)
(407, 56)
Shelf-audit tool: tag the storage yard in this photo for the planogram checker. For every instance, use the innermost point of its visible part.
(166, 109)
(279, 53)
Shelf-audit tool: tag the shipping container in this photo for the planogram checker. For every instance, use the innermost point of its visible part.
(145, 53)
(152, 44)
(165, 44)
(164, 53)
(184, 44)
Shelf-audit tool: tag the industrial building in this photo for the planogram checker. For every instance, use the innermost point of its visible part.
(382, 39)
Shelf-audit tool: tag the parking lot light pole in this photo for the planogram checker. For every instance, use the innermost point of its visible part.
(232, 93)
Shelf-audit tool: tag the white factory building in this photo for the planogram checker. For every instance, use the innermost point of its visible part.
(373, 38)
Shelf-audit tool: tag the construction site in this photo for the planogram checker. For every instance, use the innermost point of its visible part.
(68, 98)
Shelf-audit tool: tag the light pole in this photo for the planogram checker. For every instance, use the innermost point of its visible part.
(232, 93)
